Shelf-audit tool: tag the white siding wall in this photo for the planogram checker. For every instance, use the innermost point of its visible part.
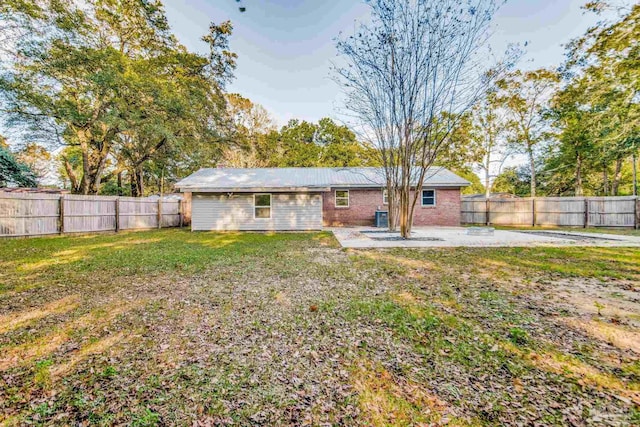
(289, 211)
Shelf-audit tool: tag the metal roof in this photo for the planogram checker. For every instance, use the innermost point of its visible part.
(302, 179)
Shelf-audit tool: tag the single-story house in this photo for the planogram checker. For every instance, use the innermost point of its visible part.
(309, 198)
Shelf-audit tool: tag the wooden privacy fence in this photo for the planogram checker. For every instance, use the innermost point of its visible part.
(554, 211)
(35, 214)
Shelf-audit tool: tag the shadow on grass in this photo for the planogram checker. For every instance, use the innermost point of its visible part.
(33, 263)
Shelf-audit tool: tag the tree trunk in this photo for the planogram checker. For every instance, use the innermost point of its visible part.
(97, 176)
(487, 184)
(86, 171)
(617, 176)
(532, 165)
(578, 188)
(635, 174)
(119, 182)
(392, 203)
(487, 176)
(73, 179)
(138, 181)
(605, 179)
(132, 184)
(405, 227)
(405, 194)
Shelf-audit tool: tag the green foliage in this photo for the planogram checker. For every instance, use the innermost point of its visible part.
(462, 147)
(512, 180)
(525, 96)
(37, 158)
(115, 88)
(597, 115)
(297, 144)
(479, 340)
(476, 186)
(14, 173)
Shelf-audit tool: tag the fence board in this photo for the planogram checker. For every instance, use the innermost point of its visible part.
(611, 211)
(39, 214)
(170, 213)
(89, 213)
(29, 214)
(553, 211)
(138, 213)
(562, 211)
(510, 211)
(474, 211)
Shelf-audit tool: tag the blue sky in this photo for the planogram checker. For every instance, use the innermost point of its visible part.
(285, 47)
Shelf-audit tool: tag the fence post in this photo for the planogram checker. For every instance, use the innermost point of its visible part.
(117, 214)
(586, 212)
(487, 211)
(180, 208)
(636, 210)
(533, 211)
(160, 212)
(61, 213)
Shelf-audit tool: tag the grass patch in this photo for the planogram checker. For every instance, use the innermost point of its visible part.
(169, 327)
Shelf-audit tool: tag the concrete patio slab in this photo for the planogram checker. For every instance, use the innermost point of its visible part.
(437, 237)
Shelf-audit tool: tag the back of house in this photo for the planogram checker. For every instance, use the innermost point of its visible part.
(265, 199)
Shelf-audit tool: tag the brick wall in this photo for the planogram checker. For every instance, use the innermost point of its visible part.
(364, 202)
(446, 212)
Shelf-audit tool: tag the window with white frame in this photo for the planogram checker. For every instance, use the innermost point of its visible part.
(262, 206)
(342, 198)
(385, 196)
(428, 197)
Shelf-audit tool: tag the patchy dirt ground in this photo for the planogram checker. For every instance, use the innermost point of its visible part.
(176, 328)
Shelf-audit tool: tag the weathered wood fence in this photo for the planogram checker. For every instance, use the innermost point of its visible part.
(554, 211)
(40, 214)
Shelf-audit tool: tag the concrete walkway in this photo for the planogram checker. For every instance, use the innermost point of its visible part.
(435, 237)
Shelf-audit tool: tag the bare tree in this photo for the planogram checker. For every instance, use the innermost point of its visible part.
(415, 60)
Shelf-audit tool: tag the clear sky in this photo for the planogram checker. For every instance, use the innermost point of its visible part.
(285, 47)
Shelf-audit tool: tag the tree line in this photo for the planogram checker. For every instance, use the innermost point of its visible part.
(109, 83)
(104, 89)
(578, 125)
(129, 110)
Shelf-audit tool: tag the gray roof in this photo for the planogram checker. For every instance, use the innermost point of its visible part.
(302, 179)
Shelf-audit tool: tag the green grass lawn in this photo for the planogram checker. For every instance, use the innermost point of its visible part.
(170, 327)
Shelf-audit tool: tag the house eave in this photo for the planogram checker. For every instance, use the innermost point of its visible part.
(200, 189)
(186, 189)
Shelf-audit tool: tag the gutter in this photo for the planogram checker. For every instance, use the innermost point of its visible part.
(253, 189)
(196, 189)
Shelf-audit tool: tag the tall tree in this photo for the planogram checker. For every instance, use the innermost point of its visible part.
(297, 144)
(249, 124)
(340, 147)
(574, 126)
(525, 96)
(491, 125)
(88, 80)
(416, 60)
(602, 72)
